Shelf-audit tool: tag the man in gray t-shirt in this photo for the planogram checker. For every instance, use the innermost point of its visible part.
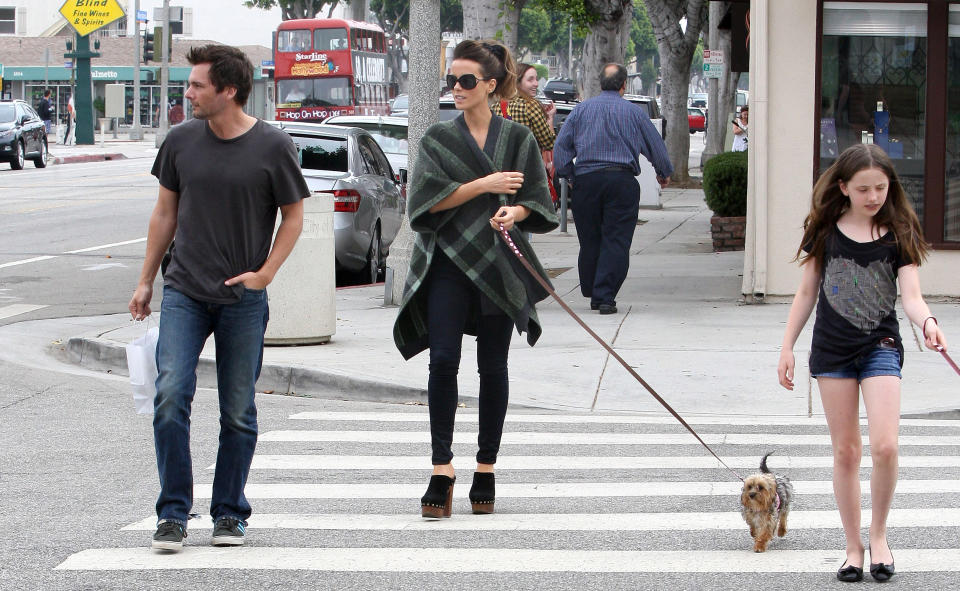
(223, 176)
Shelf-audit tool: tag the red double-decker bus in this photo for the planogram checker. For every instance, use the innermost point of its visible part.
(326, 67)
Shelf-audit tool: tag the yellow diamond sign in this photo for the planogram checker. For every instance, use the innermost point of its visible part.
(86, 16)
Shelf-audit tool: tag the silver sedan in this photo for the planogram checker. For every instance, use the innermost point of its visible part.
(368, 205)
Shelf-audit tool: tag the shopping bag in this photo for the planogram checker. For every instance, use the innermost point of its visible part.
(142, 366)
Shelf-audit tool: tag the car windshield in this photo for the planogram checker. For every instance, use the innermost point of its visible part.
(322, 153)
(401, 103)
(316, 92)
(7, 113)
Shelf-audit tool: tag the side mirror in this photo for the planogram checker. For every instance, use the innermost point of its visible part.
(402, 176)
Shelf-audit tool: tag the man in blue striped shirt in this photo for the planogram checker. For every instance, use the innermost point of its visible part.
(598, 149)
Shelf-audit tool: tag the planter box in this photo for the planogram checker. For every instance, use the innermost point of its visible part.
(728, 233)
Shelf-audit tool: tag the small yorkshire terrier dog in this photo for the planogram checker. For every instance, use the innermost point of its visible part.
(766, 499)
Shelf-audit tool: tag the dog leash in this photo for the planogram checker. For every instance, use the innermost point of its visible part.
(516, 251)
(943, 352)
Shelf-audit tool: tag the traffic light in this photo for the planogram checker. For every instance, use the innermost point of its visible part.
(147, 47)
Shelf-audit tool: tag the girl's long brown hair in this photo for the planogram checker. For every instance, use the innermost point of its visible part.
(531, 101)
(829, 203)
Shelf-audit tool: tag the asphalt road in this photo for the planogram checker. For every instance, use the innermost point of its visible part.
(73, 238)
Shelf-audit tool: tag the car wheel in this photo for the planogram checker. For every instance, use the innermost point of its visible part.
(17, 162)
(372, 270)
(41, 161)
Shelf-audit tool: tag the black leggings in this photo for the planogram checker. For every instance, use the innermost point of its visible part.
(451, 299)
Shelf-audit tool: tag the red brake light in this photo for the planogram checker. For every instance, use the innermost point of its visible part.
(346, 200)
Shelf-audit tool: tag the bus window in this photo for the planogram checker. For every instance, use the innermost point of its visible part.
(331, 92)
(330, 39)
(298, 40)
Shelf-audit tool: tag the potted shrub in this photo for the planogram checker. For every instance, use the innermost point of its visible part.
(725, 191)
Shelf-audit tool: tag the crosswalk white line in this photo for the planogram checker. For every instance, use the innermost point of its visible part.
(460, 560)
(694, 521)
(505, 462)
(520, 418)
(25, 261)
(17, 309)
(546, 438)
(295, 490)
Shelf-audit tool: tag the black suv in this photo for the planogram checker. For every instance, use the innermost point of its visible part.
(561, 89)
(22, 135)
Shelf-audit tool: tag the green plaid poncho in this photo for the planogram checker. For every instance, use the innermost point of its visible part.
(449, 157)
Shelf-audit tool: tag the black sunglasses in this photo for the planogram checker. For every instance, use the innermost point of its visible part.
(467, 81)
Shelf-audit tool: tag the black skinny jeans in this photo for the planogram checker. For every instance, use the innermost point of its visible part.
(451, 299)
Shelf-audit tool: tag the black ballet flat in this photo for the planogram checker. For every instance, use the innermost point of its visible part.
(882, 572)
(850, 573)
(438, 500)
(483, 493)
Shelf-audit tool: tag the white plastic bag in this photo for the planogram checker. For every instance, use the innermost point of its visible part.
(142, 365)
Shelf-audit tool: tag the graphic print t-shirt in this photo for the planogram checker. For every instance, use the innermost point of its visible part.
(857, 305)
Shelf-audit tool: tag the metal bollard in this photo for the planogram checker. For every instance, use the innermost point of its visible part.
(564, 191)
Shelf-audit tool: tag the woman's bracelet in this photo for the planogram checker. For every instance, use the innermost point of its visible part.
(923, 327)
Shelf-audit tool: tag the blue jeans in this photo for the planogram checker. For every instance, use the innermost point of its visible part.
(882, 360)
(238, 329)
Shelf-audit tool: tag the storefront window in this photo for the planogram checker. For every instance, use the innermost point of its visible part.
(874, 84)
(951, 206)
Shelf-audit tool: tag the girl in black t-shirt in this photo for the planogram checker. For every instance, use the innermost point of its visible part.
(860, 239)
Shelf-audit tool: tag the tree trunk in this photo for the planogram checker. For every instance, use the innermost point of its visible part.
(607, 41)
(723, 91)
(424, 81)
(493, 19)
(676, 47)
(357, 10)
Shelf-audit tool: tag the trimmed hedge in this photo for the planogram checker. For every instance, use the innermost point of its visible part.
(725, 184)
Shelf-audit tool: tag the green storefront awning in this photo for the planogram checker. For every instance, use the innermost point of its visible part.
(99, 73)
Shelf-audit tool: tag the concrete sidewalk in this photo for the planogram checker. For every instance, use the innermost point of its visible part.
(681, 325)
(106, 148)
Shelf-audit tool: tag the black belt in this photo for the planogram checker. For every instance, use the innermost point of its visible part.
(617, 168)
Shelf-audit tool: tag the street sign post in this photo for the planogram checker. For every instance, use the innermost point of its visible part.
(713, 63)
(86, 16)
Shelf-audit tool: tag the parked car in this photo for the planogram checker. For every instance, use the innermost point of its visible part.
(23, 135)
(652, 109)
(390, 134)
(368, 206)
(696, 119)
(560, 89)
(400, 105)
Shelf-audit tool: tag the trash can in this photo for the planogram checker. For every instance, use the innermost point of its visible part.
(302, 296)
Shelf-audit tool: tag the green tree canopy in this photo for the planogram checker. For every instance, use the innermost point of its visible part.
(295, 8)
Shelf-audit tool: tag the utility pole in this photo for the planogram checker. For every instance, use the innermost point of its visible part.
(164, 73)
(83, 97)
(136, 132)
(424, 84)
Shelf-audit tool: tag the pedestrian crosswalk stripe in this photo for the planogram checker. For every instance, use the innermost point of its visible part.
(294, 490)
(507, 462)
(432, 560)
(694, 521)
(547, 438)
(521, 418)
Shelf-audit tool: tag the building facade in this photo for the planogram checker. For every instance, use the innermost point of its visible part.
(826, 75)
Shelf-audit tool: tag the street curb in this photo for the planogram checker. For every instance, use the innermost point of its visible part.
(87, 158)
(102, 355)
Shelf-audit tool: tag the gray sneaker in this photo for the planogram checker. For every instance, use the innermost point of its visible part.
(169, 536)
(228, 531)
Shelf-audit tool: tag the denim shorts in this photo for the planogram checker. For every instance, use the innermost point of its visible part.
(882, 360)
